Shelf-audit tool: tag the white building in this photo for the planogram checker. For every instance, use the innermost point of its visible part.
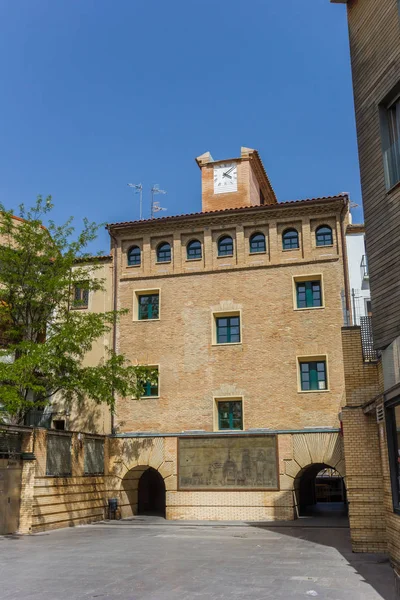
(358, 273)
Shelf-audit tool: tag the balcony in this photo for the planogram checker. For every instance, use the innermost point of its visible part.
(364, 273)
(391, 160)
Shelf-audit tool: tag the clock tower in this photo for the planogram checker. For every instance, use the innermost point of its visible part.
(234, 182)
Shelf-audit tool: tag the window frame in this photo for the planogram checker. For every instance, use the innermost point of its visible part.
(312, 278)
(149, 386)
(194, 240)
(137, 294)
(251, 238)
(289, 230)
(136, 264)
(222, 237)
(309, 360)
(388, 141)
(324, 226)
(158, 250)
(226, 315)
(219, 400)
(80, 304)
(393, 448)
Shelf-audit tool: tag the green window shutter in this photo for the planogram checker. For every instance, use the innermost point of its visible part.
(309, 294)
(313, 376)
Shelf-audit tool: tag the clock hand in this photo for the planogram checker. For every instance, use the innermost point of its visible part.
(226, 175)
(229, 170)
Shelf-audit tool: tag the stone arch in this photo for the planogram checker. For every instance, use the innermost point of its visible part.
(130, 458)
(308, 449)
(305, 494)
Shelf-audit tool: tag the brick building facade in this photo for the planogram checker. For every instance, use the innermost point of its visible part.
(372, 419)
(239, 308)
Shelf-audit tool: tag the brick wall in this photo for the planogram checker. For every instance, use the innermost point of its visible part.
(194, 371)
(373, 524)
(53, 502)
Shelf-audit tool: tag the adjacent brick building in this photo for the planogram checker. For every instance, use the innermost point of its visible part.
(372, 417)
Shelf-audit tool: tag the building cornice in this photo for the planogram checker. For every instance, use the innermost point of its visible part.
(233, 215)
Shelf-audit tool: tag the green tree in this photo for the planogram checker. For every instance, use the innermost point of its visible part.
(43, 339)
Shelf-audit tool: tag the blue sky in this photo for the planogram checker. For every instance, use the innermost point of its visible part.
(96, 94)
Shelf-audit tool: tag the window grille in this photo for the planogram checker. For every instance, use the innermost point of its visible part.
(58, 460)
(367, 340)
(10, 444)
(94, 456)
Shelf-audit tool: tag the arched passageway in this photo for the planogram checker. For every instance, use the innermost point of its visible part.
(151, 493)
(320, 491)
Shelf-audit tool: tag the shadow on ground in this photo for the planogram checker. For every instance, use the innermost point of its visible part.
(328, 525)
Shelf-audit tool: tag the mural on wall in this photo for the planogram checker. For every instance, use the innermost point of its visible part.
(239, 462)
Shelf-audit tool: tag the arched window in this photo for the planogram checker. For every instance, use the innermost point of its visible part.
(225, 246)
(193, 250)
(164, 252)
(257, 243)
(323, 236)
(290, 239)
(133, 256)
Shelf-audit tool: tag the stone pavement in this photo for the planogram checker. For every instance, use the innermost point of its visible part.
(152, 559)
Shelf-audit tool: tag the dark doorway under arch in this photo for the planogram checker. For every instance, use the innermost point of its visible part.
(320, 491)
(151, 493)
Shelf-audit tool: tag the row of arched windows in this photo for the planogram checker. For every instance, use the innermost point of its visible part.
(290, 241)
(323, 237)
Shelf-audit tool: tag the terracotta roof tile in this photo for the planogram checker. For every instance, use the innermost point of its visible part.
(230, 210)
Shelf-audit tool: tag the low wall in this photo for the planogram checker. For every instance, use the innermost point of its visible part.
(50, 502)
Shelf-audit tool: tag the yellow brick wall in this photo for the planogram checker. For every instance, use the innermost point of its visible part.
(193, 371)
(53, 502)
(373, 524)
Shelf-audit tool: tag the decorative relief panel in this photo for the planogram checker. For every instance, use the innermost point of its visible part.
(226, 463)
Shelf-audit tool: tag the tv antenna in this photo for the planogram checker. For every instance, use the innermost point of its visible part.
(138, 189)
(155, 205)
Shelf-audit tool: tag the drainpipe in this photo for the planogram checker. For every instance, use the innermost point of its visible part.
(345, 265)
(115, 306)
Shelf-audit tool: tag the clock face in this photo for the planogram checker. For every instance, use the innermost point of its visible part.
(225, 178)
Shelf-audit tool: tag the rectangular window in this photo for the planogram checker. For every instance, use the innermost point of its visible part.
(150, 389)
(228, 329)
(308, 294)
(230, 414)
(148, 306)
(391, 142)
(313, 375)
(393, 435)
(81, 295)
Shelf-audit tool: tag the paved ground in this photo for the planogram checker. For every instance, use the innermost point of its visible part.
(151, 559)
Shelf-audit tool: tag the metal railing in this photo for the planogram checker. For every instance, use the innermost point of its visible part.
(38, 418)
(391, 159)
